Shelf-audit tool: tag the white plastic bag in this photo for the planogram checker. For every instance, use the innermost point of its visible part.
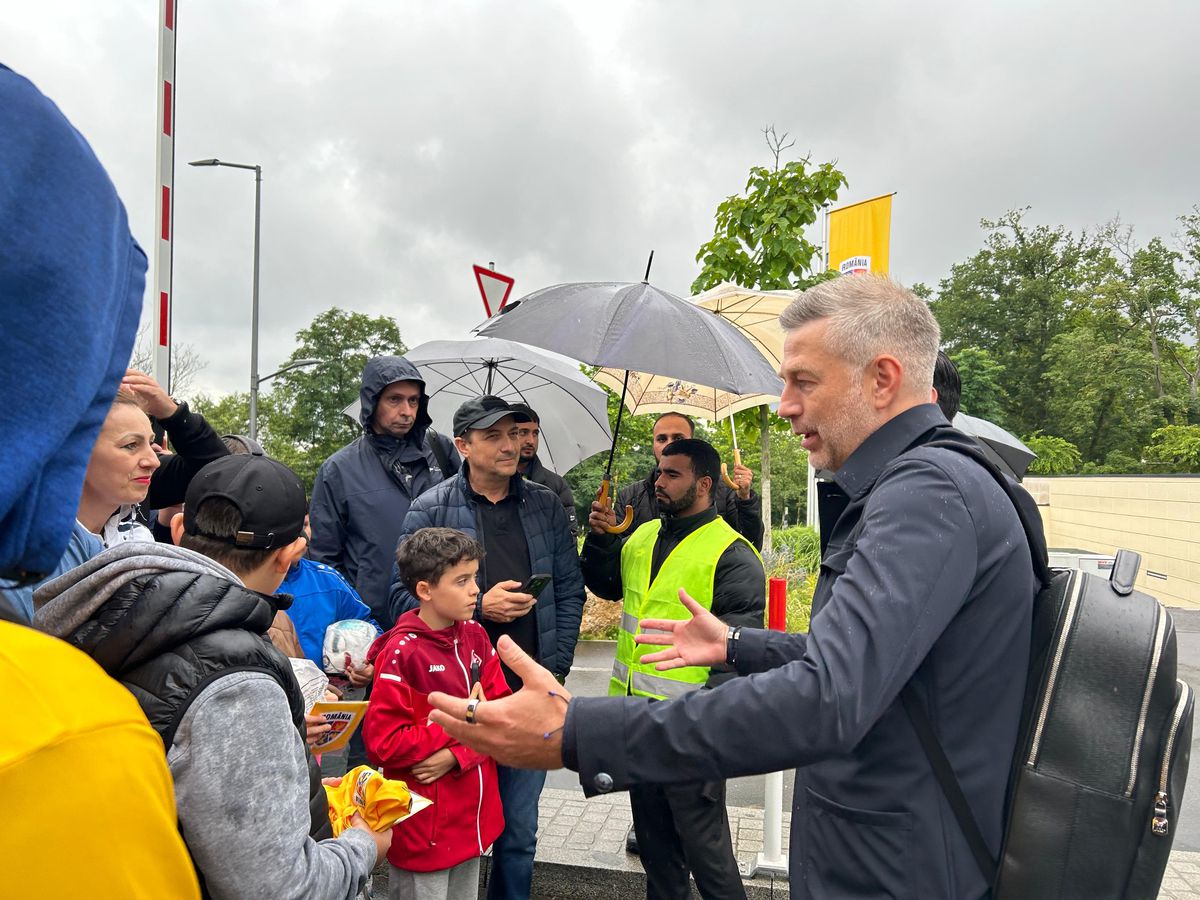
(347, 643)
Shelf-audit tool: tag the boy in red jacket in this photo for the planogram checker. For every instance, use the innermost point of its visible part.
(438, 647)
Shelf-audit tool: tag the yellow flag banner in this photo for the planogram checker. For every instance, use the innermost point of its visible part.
(859, 237)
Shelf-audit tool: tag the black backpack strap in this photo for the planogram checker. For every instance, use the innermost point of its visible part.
(946, 778)
(915, 709)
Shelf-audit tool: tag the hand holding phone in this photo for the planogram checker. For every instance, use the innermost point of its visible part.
(536, 584)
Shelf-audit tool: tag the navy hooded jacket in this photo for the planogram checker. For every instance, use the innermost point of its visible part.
(362, 492)
(71, 284)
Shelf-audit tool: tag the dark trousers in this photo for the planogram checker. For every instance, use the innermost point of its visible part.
(682, 828)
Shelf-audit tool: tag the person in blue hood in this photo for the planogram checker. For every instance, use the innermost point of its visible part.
(71, 282)
(362, 492)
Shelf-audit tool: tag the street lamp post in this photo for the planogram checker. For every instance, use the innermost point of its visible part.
(254, 379)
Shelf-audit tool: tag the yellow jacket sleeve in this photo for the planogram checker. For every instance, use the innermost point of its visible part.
(89, 804)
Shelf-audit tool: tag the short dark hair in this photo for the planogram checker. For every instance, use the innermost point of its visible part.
(704, 457)
(218, 516)
(948, 384)
(686, 418)
(528, 410)
(426, 554)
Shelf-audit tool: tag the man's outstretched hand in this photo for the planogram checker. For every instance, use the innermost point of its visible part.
(523, 730)
(698, 641)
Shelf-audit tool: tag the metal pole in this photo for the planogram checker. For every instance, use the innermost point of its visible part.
(254, 308)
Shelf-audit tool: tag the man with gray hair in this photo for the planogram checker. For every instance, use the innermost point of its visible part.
(926, 587)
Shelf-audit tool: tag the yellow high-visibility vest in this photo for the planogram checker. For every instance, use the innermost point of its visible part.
(692, 566)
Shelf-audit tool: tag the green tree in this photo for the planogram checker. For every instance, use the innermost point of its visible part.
(759, 241)
(1145, 287)
(304, 416)
(1186, 354)
(1055, 456)
(983, 393)
(1101, 393)
(1175, 448)
(1012, 299)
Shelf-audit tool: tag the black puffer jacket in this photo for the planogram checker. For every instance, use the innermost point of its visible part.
(743, 516)
(537, 472)
(168, 636)
(362, 492)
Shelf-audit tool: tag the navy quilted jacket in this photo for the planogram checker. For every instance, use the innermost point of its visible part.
(551, 549)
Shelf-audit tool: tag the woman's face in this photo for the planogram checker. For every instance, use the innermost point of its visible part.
(122, 460)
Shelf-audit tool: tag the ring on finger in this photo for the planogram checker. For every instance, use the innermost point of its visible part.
(471, 706)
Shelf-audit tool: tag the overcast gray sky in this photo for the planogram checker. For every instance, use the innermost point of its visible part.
(402, 142)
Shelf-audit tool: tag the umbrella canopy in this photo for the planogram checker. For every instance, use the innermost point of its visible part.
(659, 394)
(640, 328)
(1004, 449)
(754, 313)
(573, 410)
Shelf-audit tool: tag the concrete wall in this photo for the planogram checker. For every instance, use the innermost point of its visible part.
(1158, 516)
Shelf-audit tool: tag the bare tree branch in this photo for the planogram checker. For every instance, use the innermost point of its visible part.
(186, 362)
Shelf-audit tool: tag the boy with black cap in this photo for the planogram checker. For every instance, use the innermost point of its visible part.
(183, 629)
(524, 532)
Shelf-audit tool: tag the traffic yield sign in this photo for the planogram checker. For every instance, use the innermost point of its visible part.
(493, 287)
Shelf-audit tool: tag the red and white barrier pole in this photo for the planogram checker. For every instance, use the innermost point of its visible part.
(772, 859)
(164, 205)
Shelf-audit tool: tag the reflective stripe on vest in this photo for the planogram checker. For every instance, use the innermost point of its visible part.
(691, 565)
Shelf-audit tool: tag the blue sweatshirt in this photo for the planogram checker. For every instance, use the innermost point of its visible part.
(320, 597)
(71, 284)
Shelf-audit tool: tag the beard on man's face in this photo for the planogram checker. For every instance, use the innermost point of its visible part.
(675, 507)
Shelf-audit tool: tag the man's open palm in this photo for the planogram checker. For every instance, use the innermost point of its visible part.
(698, 641)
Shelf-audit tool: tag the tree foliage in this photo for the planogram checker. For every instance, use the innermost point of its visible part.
(759, 239)
(306, 404)
(1055, 455)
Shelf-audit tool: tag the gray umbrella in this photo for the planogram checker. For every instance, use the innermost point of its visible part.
(573, 409)
(636, 326)
(1004, 449)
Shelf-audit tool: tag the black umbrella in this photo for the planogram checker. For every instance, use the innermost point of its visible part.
(1006, 450)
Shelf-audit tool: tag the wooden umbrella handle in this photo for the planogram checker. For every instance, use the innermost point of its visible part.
(737, 461)
(602, 496)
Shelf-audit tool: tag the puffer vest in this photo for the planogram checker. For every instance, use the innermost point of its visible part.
(166, 637)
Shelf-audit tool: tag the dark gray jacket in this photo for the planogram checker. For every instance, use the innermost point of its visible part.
(927, 578)
(362, 492)
(559, 607)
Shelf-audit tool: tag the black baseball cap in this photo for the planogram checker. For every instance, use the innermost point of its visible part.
(484, 412)
(268, 494)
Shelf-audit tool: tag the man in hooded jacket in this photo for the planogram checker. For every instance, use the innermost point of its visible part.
(363, 491)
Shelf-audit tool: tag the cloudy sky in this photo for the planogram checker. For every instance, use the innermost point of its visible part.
(402, 142)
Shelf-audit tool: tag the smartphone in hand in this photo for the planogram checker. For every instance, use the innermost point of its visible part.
(535, 585)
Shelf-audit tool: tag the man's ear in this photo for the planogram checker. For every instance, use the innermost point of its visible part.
(461, 445)
(177, 527)
(887, 376)
(424, 591)
(285, 557)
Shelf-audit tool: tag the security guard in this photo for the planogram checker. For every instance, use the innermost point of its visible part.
(684, 827)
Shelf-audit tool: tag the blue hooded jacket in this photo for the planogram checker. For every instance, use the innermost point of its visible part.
(362, 492)
(71, 284)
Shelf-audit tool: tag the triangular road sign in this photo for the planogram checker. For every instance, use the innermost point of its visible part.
(494, 288)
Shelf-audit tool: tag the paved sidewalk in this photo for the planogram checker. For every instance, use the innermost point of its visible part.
(584, 833)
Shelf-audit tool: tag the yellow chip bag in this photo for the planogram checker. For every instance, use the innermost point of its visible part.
(382, 802)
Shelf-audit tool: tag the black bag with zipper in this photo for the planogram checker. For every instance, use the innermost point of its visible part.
(1103, 748)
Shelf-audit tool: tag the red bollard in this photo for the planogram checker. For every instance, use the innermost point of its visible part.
(777, 605)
